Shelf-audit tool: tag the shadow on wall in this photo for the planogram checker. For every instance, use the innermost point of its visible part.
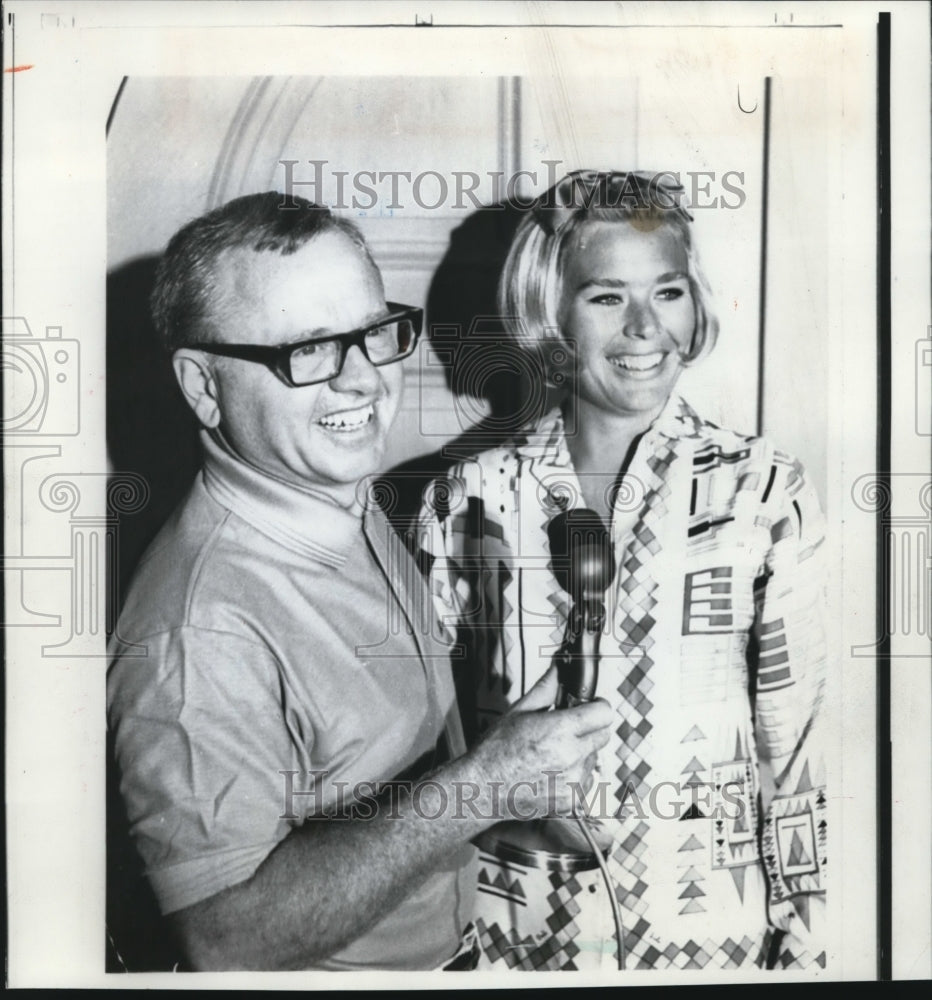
(150, 429)
(482, 363)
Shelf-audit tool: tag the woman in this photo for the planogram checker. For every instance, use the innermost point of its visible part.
(712, 653)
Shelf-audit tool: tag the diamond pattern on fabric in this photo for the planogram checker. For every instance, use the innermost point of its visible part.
(695, 955)
(637, 599)
(553, 951)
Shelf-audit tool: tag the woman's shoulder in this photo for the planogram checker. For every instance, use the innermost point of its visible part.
(735, 447)
(752, 460)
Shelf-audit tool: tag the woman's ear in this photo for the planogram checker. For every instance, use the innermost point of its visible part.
(192, 370)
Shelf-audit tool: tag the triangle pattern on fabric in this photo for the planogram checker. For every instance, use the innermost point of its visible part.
(805, 782)
(691, 876)
(798, 854)
(693, 812)
(694, 734)
(693, 906)
(691, 891)
(692, 844)
(737, 875)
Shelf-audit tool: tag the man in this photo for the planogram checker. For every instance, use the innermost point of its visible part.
(277, 685)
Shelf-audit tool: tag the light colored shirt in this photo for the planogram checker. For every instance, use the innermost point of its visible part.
(725, 839)
(289, 650)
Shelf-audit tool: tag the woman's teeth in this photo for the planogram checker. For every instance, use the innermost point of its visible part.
(638, 362)
(348, 420)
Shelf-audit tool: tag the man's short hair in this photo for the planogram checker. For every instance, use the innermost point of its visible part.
(532, 279)
(185, 281)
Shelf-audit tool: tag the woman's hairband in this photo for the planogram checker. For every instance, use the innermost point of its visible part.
(637, 192)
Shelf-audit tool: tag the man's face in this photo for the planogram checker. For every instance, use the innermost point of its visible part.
(330, 434)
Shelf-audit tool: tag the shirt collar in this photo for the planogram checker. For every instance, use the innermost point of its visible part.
(302, 521)
(547, 439)
(678, 420)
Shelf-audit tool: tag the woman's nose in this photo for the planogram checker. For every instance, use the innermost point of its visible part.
(358, 373)
(639, 321)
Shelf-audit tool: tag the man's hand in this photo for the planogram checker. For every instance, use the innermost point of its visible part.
(535, 757)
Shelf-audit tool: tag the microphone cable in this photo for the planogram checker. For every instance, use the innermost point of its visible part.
(613, 898)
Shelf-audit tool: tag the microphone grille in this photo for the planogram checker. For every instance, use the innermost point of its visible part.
(582, 554)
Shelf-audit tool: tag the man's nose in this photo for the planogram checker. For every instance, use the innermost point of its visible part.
(639, 320)
(358, 373)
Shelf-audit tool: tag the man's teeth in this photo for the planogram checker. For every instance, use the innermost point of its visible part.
(638, 362)
(347, 420)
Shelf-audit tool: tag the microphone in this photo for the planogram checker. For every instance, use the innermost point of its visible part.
(583, 561)
(584, 564)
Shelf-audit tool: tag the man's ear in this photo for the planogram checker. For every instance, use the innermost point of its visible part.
(197, 383)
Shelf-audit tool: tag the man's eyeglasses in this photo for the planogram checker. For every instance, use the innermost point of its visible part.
(307, 362)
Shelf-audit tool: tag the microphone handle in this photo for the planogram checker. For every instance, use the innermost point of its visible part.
(578, 657)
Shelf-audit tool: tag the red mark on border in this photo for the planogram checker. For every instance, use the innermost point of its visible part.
(18, 69)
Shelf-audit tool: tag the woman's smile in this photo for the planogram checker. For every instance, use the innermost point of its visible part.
(639, 365)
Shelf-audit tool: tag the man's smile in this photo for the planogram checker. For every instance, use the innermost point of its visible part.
(349, 419)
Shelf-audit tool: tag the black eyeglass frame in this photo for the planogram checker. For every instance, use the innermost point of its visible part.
(278, 359)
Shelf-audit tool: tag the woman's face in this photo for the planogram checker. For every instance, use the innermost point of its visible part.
(626, 304)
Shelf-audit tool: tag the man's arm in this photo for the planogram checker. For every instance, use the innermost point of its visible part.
(327, 883)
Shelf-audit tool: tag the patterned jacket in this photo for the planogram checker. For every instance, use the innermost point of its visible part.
(713, 656)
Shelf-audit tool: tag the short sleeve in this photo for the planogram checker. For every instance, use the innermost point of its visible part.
(200, 741)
